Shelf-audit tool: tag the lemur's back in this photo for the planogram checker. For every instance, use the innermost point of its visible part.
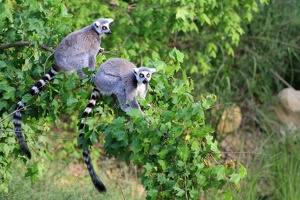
(78, 42)
(117, 67)
(114, 75)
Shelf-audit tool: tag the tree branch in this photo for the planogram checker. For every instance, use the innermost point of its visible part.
(16, 44)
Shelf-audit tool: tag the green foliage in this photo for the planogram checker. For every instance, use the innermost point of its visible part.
(205, 32)
(171, 141)
(39, 23)
(202, 30)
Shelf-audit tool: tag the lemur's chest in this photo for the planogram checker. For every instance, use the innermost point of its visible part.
(141, 89)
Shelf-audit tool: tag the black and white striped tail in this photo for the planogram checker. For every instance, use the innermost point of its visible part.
(20, 106)
(85, 152)
(97, 182)
(18, 130)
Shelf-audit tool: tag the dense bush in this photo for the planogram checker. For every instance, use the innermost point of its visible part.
(172, 142)
(204, 31)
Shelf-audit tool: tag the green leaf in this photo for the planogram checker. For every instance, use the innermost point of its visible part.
(180, 192)
(195, 145)
(135, 112)
(2, 64)
(163, 153)
(71, 101)
(152, 193)
(9, 92)
(93, 137)
(183, 152)
(34, 171)
(235, 178)
(212, 49)
(5, 13)
(55, 105)
(179, 56)
(70, 84)
(4, 187)
(158, 64)
(182, 13)
(5, 149)
(148, 167)
(242, 171)
(220, 171)
(175, 53)
(204, 18)
(227, 195)
(180, 164)
(64, 10)
(162, 164)
(27, 98)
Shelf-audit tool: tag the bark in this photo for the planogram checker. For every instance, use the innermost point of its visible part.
(23, 43)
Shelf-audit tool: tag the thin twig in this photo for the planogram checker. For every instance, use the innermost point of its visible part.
(124, 42)
(3, 119)
(46, 63)
(10, 130)
(24, 43)
(25, 107)
(280, 78)
(241, 152)
(213, 158)
(26, 63)
(121, 191)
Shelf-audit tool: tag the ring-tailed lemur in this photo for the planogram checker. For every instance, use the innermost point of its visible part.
(119, 77)
(75, 52)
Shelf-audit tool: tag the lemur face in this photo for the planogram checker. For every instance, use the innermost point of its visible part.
(102, 26)
(143, 74)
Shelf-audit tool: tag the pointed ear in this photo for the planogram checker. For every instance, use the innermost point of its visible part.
(97, 24)
(153, 70)
(135, 71)
(110, 20)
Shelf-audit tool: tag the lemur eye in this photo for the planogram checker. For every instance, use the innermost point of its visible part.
(104, 28)
(141, 75)
(148, 75)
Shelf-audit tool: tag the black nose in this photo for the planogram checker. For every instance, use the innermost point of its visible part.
(145, 81)
(108, 32)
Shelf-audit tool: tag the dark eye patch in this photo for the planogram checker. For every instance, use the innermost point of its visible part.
(148, 75)
(104, 28)
(141, 75)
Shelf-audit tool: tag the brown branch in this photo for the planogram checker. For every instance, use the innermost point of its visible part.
(16, 44)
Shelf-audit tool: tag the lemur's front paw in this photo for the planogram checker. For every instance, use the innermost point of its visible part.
(100, 50)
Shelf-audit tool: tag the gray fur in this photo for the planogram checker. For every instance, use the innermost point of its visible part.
(75, 52)
(122, 78)
(79, 49)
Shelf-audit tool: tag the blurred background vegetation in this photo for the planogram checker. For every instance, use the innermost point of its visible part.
(238, 50)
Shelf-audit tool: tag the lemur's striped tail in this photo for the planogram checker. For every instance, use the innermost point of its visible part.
(85, 152)
(97, 182)
(20, 106)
